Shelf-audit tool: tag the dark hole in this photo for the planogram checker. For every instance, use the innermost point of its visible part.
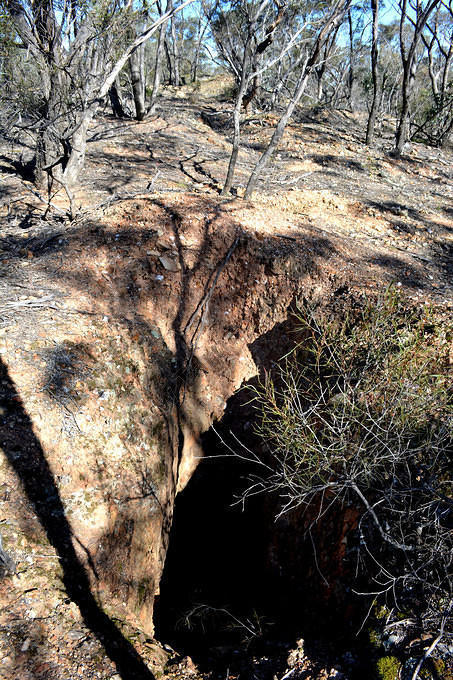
(237, 566)
(216, 557)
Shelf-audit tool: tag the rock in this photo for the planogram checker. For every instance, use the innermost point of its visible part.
(296, 656)
(187, 665)
(76, 634)
(169, 263)
(25, 645)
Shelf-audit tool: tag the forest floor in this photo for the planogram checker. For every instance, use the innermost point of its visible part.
(323, 178)
(354, 217)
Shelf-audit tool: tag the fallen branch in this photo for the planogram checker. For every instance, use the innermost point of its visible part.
(40, 302)
(47, 202)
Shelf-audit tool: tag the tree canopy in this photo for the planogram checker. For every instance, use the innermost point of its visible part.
(61, 58)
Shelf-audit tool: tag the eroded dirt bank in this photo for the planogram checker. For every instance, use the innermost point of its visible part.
(122, 338)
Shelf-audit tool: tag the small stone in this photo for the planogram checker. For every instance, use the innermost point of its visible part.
(25, 645)
(76, 634)
(169, 264)
(187, 665)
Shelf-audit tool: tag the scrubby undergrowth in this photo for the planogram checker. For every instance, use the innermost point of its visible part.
(359, 417)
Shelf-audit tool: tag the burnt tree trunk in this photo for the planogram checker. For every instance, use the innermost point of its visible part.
(374, 71)
(116, 100)
(136, 68)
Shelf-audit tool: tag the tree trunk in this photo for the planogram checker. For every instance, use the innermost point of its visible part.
(47, 150)
(50, 151)
(77, 148)
(59, 159)
(408, 58)
(332, 23)
(196, 59)
(374, 70)
(194, 69)
(351, 74)
(116, 100)
(402, 133)
(76, 73)
(321, 68)
(137, 78)
(169, 62)
(320, 88)
(252, 92)
(236, 141)
(171, 51)
(245, 78)
(278, 133)
(175, 51)
(277, 88)
(158, 63)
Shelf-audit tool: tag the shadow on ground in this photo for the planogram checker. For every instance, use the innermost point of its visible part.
(32, 469)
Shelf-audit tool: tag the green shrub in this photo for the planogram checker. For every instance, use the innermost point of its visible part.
(361, 412)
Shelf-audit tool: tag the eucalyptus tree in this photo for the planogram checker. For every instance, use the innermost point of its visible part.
(323, 22)
(158, 56)
(137, 74)
(321, 67)
(202, 19)
(172, 51)
(339, 67)
(77, 49)
(389, 71)
(414, 15)
(374, 72)
(356, 19)
(435, 121)
(243, 31)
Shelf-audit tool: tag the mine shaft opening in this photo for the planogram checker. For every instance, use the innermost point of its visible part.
(236, 581)
(214, 578)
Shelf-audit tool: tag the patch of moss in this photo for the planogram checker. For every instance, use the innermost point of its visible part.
(374, 638)
(441, 669)
(143, 589)
(388, 668)
(381, 612)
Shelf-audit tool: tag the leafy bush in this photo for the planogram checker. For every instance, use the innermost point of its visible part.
(361, 412)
